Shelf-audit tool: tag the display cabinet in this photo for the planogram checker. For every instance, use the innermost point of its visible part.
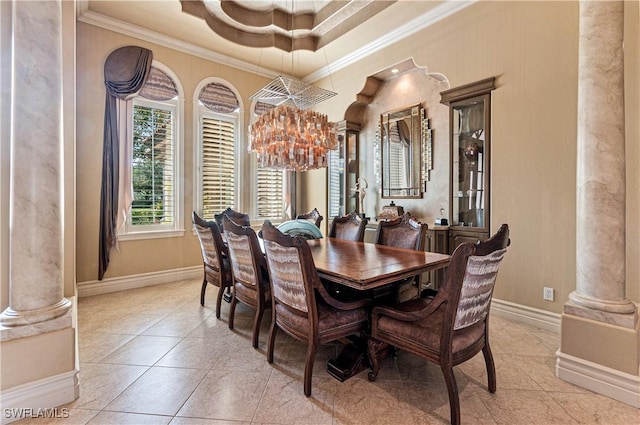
(343, 172)
(470, 142)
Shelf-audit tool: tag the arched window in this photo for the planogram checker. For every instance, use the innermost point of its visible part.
(218, 156)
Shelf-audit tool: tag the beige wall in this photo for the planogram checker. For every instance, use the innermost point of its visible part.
(139, 256)
(532, 49)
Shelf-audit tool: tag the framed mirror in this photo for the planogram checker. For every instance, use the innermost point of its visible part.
(401, 144)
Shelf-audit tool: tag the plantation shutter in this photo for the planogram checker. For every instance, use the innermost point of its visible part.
(269, 181)
(218, 165)
(269, 202)
(152, 166)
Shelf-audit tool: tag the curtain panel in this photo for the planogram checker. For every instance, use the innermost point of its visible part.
(125, 72)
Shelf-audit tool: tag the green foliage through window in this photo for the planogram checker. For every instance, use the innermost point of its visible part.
(152, 166)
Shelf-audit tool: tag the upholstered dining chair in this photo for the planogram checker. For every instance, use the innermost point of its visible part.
(302, 308)
(350, 227)
(239, 218)
(249, 270)
(404, 232)
(452, 326)
(217, 270)
(313, 216)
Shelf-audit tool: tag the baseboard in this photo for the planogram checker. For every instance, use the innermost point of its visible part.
(528, 315)
(40, 398)
(122, 283)
(599, 379)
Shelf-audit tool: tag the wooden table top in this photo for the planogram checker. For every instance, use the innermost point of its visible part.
(364, 266)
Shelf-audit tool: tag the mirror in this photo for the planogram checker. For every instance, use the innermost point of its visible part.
(401, 144)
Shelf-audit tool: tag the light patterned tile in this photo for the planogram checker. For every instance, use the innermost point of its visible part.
(284, 401)
(119, 418)
(200, 353)
(226, 395)
(160, 391)
(590, 408)
(142, 350)
(101, 383)
(358, 401)
(95, 346)
(509, 375)
(524, 407)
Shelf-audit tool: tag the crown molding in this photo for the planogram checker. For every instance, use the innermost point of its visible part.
(436, 14)
(116, 25)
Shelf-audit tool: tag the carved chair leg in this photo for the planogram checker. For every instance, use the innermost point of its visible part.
(232, 312)
(491, 368)
(219, 302)
(452, 388)
(308, 368)
(203, 290)
(271, 342)
(256, 325)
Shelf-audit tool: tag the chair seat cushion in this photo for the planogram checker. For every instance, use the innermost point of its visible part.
(424, 335)
(329, 318)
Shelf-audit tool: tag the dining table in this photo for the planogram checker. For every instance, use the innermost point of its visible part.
(365, 266)
(368, 269)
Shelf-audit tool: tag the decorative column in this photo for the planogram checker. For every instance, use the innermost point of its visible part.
(600, 247)
(36, 209)
(599, 336)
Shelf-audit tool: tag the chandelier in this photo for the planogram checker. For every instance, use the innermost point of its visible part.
(288, 136)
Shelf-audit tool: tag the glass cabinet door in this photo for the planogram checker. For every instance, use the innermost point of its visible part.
(343, 172)
(470, 141)
(470, 153)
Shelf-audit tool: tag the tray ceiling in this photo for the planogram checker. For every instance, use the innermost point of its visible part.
(303, 39)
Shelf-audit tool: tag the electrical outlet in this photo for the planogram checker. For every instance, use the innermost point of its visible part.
(547, 294)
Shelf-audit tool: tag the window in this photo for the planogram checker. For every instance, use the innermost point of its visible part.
(217, 154)
(152, 165)
(154, 142)
(269, 192)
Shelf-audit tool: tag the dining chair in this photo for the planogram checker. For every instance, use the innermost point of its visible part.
(404, 232)
(217, 270)
(350, 227)
(451, 326)
(301, 307)
(239, 218)
(313, 216)
(249, 270)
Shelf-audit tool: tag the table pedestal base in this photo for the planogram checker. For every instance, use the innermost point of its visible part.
(353, 358)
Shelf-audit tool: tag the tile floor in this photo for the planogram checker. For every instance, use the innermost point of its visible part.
(154, 356)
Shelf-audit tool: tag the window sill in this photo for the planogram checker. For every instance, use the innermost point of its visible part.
(159, 234)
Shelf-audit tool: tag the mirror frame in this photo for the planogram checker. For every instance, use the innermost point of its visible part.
(418, 164)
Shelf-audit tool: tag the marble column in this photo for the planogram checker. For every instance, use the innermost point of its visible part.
(36, 206)
(600, 245)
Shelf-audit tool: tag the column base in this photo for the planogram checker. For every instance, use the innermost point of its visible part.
(11, 317)
(621, 313)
